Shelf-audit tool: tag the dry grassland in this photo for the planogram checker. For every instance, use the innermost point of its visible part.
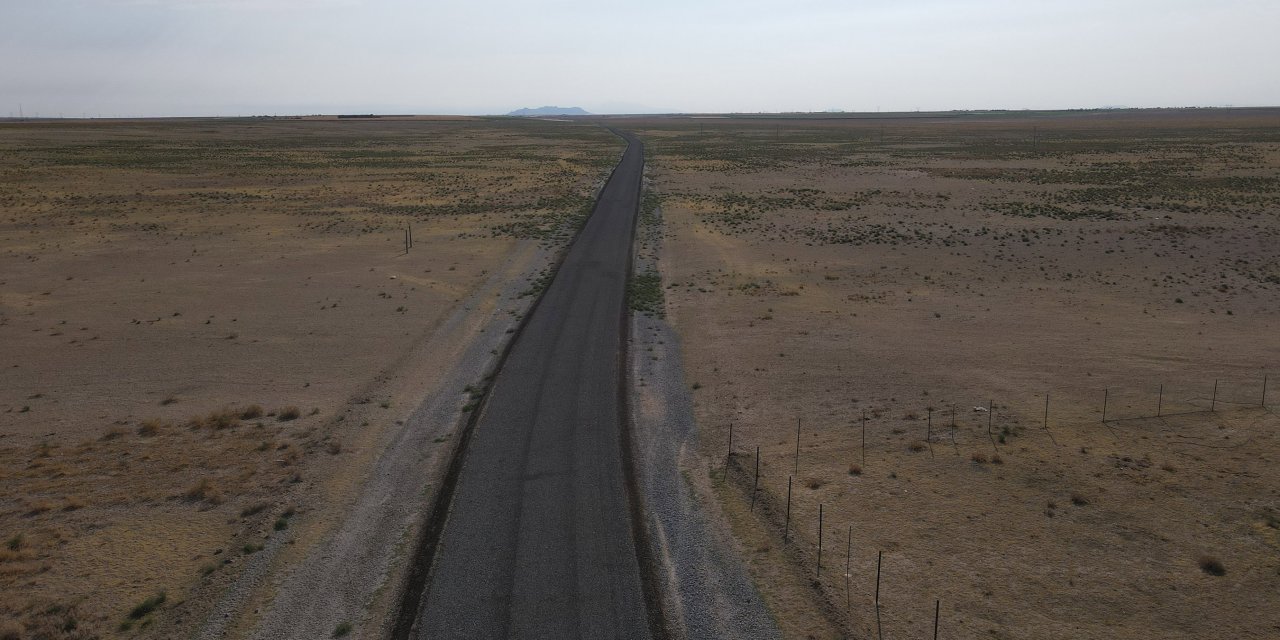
(916, 269)
(203, 329)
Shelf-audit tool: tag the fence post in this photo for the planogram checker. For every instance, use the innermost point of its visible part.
(1105, 393)
(937, 607)
(1046, 420)
(819, 540)
(755, 486)
(1213, 404)
(991, 412)
(729, 456)
(864, 435)
(928, 434)
(1264, 391)
(1160, 402)
(1046, 411)
(786, 529)
(953, 430)
(879, 558)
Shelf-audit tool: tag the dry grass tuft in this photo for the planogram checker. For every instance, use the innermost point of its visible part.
(37, 507)
(217, 420)
(144, 608)
(814, 482)
(204, 491)
(855, 470)
(979, 457)
(288, 413)
(253, 510)
(917, 446)
(250, 412)
(113, 433)
(1079, 499)
(152, 427)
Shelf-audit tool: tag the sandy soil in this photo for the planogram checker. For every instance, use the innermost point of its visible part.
(208, 330)
(919, 269)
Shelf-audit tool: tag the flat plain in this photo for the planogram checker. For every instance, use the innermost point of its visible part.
(942, 279)
(209, 327)
(209, 330)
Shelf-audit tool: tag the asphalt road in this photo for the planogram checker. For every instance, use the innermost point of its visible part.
(538, 542)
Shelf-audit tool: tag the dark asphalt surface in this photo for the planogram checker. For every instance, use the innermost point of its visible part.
(538, 542)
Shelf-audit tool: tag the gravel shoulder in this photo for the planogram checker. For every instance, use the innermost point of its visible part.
(351, 575)
(707, 590)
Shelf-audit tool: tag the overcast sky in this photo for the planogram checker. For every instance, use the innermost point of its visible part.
(232, 57)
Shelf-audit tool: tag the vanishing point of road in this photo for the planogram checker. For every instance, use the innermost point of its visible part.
(538, 542)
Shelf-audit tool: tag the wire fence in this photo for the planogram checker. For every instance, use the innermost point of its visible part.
(952, 430)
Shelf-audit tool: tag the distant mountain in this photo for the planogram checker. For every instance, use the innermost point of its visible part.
(550, 111)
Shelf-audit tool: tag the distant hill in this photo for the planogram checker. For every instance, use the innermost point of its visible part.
(550, 111)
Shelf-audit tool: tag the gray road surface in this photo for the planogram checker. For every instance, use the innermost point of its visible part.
(538, 541)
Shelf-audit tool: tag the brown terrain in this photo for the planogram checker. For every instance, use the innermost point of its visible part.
(920, 270)
(209, 328)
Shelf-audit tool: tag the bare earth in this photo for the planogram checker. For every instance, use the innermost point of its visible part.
(172, 293)
(817, 269)
(210, 332)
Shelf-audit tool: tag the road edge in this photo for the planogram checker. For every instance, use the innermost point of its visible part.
(655, 600)
(413, 587)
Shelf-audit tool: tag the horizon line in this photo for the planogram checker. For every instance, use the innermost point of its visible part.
(826, 112)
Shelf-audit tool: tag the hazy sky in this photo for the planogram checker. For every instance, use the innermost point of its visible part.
(229, 57)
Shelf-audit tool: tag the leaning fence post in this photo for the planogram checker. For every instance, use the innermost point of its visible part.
(937, 607)
(1264, 391)
(1105, 392)
(1213, 404)
(1160, 402)
(1046, 419)
(879, 559)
